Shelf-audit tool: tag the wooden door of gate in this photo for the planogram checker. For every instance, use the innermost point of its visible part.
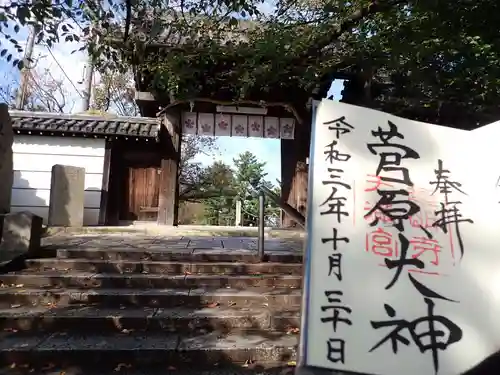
(143, 193)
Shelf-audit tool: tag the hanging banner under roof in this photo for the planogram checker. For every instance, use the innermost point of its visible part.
(402, 265)
(237, 125)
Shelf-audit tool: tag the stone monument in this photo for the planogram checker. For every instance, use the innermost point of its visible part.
(6, 162)
(67, 194)
(19, 232)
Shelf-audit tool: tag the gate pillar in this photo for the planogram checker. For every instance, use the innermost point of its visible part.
(294, 172)
(168, 205)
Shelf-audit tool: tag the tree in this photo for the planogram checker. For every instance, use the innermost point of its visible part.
(226, 187)
(212, 42)
(8, 90)
(193, 178)
(431, 52)
(220, 207)
(44, 92)
(437, 57)
(116, 91)
(249, 174)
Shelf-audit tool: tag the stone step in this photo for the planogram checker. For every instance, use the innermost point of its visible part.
(74, 279)
(161, 267)
(278, 299)
(87, 319)
(152, 350)
(180, 255)
(124, 368)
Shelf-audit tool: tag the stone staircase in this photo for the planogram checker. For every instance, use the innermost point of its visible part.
(97, 311)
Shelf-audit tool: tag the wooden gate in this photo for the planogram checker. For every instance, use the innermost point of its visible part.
(143, 193)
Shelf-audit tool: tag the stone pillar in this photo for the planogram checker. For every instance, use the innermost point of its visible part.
(67, 195)
(238, 213)
(6, 163)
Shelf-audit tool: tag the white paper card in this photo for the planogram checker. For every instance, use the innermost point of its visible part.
(403, 271)
(239, 125)
(206, 124)
(189, 122)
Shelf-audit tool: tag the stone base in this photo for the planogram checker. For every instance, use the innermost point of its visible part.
(21, 234)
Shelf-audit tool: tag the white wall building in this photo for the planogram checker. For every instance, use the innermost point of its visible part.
(34, 157)
(42, 140)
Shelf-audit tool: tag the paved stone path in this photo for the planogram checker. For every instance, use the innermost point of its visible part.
(151, 242)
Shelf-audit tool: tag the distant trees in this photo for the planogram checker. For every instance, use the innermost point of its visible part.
(229, 185)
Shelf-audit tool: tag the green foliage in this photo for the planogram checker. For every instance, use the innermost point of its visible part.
(191, 48)
(53, 22)
(228, 186)
(249, 173)
(440, 57)
(115, 90)
(220, 206)
(195, 181)
(423, 53)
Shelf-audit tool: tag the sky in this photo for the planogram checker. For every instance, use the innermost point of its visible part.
(69, 67)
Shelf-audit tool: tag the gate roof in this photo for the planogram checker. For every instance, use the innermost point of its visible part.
(82, 125)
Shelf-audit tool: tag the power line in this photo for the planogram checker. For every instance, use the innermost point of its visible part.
(64, 72)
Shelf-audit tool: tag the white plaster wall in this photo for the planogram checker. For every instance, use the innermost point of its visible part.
(34, 157)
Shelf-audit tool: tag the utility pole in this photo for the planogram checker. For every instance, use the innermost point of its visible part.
(21, 92)
(89, 75)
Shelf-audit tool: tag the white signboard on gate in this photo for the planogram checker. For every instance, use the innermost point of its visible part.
(403, 263)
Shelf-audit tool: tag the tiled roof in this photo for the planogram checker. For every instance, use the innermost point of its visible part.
(84, 125)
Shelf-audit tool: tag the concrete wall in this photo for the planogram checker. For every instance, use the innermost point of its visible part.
(34, 157)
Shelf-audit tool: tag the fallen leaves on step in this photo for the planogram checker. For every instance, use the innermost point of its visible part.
(292, 363)
(117, 323)
(212, 305)
(122, 366)
(48, 366)
(292, 331)
(248, 363)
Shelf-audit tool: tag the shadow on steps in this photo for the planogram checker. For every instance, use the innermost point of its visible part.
(98, 329)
